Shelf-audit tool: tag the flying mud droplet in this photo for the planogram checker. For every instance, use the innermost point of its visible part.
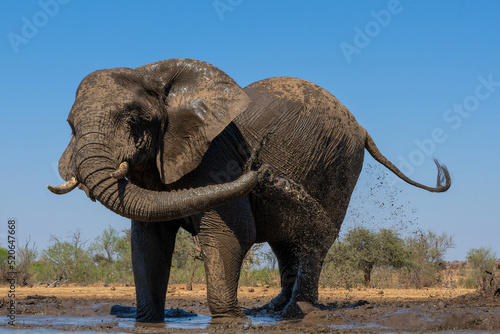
(378, 202)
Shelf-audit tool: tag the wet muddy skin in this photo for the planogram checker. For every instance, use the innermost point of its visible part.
(50, 314)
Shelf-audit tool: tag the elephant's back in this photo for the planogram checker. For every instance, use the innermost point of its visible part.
(309, 128)
(312, 99)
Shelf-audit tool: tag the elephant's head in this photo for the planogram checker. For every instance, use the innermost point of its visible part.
(165, 115)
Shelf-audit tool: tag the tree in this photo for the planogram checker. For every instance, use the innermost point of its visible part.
(252, 259)
(482, 261)
(269, 258)
(4, 255)
(363, 249)
(112, 253)
(26, 256)
(392, 249)
(186, 258)
(105, 246)
(69, 261)
(123, 262)
(426, 251)
(370, 248)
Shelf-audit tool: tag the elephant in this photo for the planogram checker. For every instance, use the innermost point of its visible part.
(179, 144)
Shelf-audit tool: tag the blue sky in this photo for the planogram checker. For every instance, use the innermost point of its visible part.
(410, 71)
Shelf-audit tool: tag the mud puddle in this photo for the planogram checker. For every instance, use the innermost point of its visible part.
(98, 324)
(370, 318)
(95, 310)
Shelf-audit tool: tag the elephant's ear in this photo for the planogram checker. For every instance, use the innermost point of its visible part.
(201, 101)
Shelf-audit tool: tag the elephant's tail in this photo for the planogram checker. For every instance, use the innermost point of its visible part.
(443, 177)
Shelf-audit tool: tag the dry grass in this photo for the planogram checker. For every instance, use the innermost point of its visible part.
(245, 294)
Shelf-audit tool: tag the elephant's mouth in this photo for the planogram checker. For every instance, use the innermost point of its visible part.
(120, 173)
(87, 191)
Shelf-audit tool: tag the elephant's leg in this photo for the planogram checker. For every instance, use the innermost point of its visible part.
(152, 248)
(306, 285)
(320, 229)
(312, 245)
(226, 234)
(288, 262)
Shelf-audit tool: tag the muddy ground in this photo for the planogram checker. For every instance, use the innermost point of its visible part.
(87, 309)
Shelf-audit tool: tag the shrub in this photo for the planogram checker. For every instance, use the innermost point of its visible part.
(364, 250)
(426, 252)
(482, 261)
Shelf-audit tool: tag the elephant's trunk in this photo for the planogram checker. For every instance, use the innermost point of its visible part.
(131, 201)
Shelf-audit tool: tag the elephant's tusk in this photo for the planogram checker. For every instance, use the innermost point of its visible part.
(64, 188)
(121, 171)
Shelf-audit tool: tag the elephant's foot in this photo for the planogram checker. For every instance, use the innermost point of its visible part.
(150, 313)
(297, 310)
(236, 313)
(143, 317)
(150, 319)
(230, 318)
(276, 305)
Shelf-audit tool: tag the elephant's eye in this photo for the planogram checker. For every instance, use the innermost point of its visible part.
(134, 120)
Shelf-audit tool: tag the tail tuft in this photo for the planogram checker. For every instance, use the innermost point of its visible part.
(443, 177)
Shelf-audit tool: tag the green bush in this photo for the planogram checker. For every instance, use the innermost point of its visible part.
(383, 259)
(426, 251)
(482, 261)
(4, 264)
(469, 281)
(112, 255)
(354, 257)
(261, 277)
(185, 275)
(42, 272)
(69, 262)
(187, 265)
